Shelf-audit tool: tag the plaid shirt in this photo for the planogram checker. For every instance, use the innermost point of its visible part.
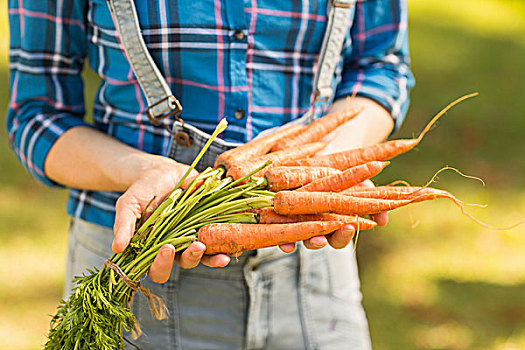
(252, 61)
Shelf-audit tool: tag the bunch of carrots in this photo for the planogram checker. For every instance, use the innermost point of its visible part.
(314, 194)
(98, 311)
(271, 191)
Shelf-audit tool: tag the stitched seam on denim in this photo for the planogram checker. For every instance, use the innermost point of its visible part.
(172, 151)
(268, 287)
(305, 310)
(173, 320)
(245, 307)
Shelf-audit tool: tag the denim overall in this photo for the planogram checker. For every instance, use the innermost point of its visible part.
(265, 299)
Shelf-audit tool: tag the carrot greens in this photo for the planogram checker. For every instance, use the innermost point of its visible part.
(97, 313)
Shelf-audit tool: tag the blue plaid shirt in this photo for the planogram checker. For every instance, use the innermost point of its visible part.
(253, 57)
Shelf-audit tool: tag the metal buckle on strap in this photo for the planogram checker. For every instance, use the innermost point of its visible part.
(346, 5)
(323, 94)
(176, 111)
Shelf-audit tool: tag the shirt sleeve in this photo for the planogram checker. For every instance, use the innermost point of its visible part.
(47, 49)
(376, 62)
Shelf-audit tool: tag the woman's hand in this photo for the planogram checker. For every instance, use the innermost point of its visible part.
(371, 126)
(157, 182)
(88, 159)
(340, 238)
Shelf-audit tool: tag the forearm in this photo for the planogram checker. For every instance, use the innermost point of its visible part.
(87, 159)
(371, 126)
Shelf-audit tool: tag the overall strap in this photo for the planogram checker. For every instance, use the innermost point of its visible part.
(336, 28)
(161, 102)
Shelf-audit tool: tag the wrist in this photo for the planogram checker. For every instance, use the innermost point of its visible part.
(371, 126)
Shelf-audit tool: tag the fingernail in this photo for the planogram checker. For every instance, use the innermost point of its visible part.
(166, 253)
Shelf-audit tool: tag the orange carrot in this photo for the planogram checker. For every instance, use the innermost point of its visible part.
(414, 193)
(293, 203)
(287, 177)
(398, 192)
(232, 238)
(417, 194)
(241, 169)
(269, 216)
(318, 129)
(381, 151)
(257, 147)
(346, 179)
(354, 157)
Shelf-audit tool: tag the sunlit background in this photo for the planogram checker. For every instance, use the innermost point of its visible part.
(432, 279)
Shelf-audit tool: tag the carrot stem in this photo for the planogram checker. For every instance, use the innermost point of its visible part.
(220, 128)
(443, 111)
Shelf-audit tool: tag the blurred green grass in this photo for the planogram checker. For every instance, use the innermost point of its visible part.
(432, 279)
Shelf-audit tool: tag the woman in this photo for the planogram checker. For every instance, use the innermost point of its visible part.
(252, 62)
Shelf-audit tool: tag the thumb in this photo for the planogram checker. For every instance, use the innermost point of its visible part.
(125, 219)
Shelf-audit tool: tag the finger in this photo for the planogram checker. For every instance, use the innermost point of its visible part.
(381, 219)
(216, 260)
(367, 184)
(316, 242)
(191, 256)
(342, 237)
(160, 270)
(287, 248)
(124, 227)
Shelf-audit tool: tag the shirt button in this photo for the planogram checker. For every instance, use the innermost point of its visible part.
(239, 35)
(239, 114)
